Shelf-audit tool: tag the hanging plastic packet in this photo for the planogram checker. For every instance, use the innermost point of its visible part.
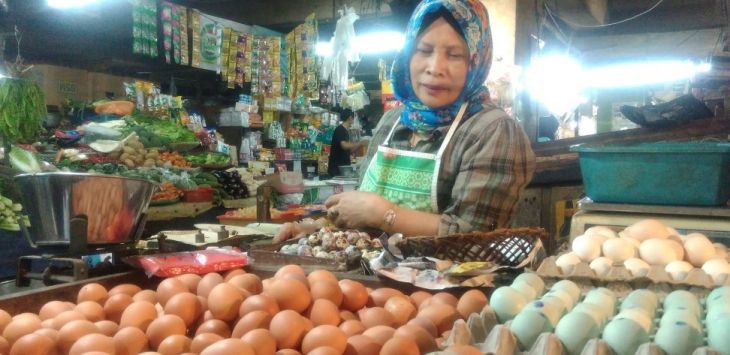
(182, 11)
(195, 28)
(241, 58)
(225, 48)
(137, 24)
(152, 28)
(166, 17)
(176, 34)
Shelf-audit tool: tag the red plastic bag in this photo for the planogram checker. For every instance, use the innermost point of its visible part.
(189, 262)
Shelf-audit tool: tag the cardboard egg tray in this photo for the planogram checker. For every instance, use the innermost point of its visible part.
(618, 273)
(484, 332)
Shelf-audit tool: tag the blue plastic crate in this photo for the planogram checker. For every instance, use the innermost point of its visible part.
(676, 173)
(13, 246)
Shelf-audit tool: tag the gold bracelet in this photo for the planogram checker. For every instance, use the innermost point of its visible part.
(388, 219)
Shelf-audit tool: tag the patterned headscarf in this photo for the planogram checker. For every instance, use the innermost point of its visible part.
(472, 18)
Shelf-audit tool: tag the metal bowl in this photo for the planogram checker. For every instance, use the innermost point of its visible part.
(63, 208)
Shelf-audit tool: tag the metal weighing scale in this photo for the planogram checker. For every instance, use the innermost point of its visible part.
(714, 222)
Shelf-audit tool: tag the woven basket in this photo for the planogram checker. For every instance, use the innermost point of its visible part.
(506, 247)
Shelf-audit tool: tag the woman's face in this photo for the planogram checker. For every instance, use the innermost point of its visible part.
(439, 65)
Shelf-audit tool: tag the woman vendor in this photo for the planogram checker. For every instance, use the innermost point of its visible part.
(448, 160)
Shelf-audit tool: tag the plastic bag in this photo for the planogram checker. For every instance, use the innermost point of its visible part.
(193, 262)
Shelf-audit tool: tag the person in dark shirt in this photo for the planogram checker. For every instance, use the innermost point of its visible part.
(341, 145)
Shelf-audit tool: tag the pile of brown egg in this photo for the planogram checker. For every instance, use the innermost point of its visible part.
(238, 313)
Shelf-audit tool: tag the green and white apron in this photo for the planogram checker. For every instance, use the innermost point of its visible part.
(405, 177)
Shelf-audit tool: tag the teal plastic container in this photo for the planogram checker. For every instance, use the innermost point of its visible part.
(676, 173)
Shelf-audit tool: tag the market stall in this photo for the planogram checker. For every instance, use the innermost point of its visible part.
(145, 219)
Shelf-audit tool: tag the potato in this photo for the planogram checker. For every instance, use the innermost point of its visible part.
(115, 154)
(148, 163)
(128, 149)
(129, 163)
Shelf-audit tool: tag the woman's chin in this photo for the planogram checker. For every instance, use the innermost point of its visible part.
(436, 102)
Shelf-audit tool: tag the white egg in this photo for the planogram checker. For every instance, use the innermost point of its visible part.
(699, 249)
(678, 269)
(567, 263)
(647, 229)
(718, 269)
(601, 266)
(586, 248)
(720, 250)
(607, 232)
(618, 249)
(672, 232)
(598, 238)
(635, 243)
(637, 267)
(657, 251)
(677, 247)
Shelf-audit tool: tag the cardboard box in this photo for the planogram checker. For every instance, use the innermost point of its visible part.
(287, 182)
(100, 84)
(61, 83)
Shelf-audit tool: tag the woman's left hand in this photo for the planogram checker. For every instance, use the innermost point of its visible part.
(357, 209)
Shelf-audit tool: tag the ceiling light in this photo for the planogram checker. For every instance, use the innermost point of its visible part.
(555, 81)
(67, 4)
(323, 49)
(643, 73)
(379, 42)
(370, 43)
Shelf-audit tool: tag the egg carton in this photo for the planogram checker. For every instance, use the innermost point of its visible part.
(484, 332)
(619, 273)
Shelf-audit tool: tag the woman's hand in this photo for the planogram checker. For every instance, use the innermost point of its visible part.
(289, 231)
(357, 209)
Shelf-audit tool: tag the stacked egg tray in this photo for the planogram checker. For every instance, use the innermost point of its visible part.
(619, 273)
(569, 320)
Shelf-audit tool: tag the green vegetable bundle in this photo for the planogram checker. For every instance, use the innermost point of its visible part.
(22, 107)
(213, 159)
(10, 213)
(166, 130)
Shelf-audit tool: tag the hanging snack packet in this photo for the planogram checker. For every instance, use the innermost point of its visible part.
(195, 28)
(225, 48)
(166, 17)
(182, 11)
(137, 27)
(176, 35)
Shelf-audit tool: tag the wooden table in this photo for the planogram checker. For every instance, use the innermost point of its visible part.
(178, 210)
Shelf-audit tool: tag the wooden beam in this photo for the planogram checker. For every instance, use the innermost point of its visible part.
(584, 12)
(598, 9)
